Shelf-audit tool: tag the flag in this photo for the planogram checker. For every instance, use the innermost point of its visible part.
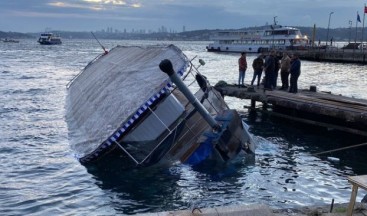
(365, 9)
(358, 18)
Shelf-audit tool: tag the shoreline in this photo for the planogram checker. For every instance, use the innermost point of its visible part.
(264, 210)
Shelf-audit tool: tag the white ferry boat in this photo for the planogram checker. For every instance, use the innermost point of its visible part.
(256, 41)
(49, 39)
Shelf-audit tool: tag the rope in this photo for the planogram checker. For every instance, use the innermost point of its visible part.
(339, 149)
(194, 210)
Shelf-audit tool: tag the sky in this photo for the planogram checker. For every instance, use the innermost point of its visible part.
(175, 15)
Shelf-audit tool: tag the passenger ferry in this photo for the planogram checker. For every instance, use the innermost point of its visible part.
(256, 41)
(49, 39)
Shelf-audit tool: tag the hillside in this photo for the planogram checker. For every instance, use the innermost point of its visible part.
(14, 35)
(338, 34)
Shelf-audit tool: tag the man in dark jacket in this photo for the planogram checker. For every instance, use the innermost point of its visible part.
(295, 71)
(258, 66)
(276, 71)
(269, 68)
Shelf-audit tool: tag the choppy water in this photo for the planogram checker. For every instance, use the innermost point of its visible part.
(40, 176)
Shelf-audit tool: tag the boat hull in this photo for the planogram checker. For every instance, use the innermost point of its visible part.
(251, 49)
(49, 42)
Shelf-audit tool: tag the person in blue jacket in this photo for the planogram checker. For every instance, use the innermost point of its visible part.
(295, 71)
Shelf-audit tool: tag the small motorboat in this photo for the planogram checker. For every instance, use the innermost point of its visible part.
(9, 40)
(134, 106)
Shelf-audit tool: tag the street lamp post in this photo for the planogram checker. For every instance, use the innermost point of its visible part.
(275, 24)
(350, 30)
(328, 26)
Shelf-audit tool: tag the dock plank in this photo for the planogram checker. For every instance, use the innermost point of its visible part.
(336, 103)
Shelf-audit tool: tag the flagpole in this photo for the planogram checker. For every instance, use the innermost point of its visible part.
(364, 14)
(355, 39)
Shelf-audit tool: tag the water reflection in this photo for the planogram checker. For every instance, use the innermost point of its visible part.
(283, 172)
(163, 188)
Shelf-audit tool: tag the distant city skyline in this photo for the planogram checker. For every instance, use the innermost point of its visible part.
(174, 15)
(141, 31)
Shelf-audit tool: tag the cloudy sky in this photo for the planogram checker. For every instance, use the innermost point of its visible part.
(91, 15)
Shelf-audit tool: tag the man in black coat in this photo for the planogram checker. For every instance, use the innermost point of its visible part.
(269, 68)
(295, 71)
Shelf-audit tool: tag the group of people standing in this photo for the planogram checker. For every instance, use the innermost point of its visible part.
(271, 64)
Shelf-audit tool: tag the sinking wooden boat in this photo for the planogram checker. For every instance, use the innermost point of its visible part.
(134, 106)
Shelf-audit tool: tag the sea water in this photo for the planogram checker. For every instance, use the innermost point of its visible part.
(40, 175)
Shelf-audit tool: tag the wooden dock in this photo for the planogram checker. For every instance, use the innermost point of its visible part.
(307, 106)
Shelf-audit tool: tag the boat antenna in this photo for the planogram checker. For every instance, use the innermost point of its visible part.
(275, 21)
(104, 49)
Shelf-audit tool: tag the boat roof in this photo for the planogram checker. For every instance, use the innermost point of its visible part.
(113, 91)
(267, 28)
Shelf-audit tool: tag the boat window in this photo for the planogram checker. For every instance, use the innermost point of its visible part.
(282, 32)
(155, 124)
(292, 32)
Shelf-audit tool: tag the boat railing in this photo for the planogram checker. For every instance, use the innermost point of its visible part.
(162, 138)
(193, 71)
(168, 132)
(191, 134)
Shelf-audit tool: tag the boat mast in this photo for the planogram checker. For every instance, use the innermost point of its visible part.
(104, 49)
(275, 24)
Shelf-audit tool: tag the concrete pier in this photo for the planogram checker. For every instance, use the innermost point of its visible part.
(262, 210)
(335, 55)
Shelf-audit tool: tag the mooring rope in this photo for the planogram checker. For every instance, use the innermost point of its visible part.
(339, 149)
